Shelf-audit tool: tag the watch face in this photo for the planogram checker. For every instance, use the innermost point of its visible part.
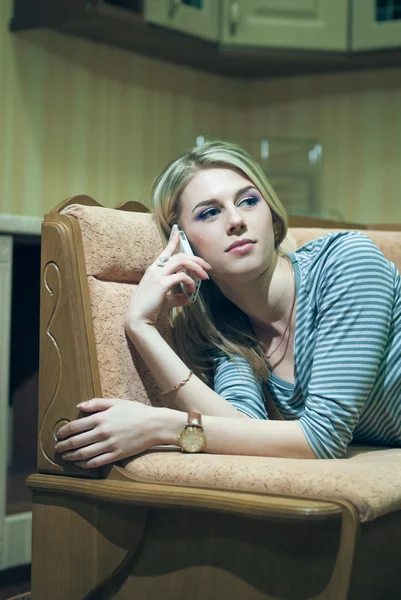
(193, 439)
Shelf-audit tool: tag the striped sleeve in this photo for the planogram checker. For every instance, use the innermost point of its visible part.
(234, 380)
(355, 296)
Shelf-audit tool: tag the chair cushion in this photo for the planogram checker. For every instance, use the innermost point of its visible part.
(368, 477)
(389, 242)
(118, 245)
(123, 374)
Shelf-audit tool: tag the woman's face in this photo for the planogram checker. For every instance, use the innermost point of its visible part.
(219, 207)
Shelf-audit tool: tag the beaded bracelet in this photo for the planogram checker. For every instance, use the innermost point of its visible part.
(178, 386)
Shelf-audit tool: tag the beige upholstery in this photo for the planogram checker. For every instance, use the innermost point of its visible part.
(369, 478)
(389, 242)
(118, 247)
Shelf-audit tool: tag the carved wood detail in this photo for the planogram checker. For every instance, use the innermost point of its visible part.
(68, 371)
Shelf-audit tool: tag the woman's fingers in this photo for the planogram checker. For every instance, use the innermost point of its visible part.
(77, 441)
(100, 404)
(175, 300)
(87, 452)
(181, 256)
(196, 265)
(181, 277)
(172, 243)
(158, 282)
(98, 461)
(169, 253)
(77, 427)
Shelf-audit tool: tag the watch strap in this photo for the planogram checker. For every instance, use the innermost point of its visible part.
(194, 419)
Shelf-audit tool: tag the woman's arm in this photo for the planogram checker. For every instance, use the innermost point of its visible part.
(225, 432)
(168, 369)
(117, 429)
(355, 296)
(250, 437)
(154, 294)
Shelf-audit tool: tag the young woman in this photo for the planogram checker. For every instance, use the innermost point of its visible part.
(282, 354)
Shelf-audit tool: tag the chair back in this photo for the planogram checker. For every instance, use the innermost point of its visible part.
(92, 261)
(387, 241)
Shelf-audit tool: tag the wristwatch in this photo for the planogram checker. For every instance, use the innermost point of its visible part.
(192, 438)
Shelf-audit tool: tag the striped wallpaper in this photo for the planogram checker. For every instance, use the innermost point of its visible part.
(80, 117)
(357, 119)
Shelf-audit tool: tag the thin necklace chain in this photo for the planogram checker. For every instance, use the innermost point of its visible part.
(288, 326)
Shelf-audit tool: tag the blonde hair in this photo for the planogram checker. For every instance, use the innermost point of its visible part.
(213, 325)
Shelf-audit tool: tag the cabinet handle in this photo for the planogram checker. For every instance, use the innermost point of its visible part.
(234, 17)
(174, 6)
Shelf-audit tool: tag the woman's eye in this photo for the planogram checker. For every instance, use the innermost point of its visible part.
(251, 200)
(211, 212)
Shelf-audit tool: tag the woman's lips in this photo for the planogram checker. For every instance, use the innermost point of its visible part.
(243, 249)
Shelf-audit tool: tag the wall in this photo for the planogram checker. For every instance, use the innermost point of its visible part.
(357, 119)
(79, 117)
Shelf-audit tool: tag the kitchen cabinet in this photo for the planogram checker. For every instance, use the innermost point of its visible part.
(296, 24)
(19, 364)
(233, 38)
(195, 17)
(376, 24)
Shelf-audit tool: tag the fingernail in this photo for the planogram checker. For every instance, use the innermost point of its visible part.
(81, 404)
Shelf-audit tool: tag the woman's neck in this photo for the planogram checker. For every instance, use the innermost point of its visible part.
(266, 300)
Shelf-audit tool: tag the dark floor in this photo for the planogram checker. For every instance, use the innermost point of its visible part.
(15, 581)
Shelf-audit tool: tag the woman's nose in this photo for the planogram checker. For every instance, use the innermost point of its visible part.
(235, 222)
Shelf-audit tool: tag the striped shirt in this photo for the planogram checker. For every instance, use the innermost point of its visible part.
(347, 350)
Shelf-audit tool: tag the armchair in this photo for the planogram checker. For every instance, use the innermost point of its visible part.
(170, 524)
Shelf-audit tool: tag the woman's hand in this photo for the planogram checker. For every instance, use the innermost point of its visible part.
(119, 428)
(153, 293)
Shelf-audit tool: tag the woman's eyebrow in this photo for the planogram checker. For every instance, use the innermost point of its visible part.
(214, 200)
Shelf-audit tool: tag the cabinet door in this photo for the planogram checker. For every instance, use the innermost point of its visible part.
(196, 17)
(303, 24)
(376, 24)
(6, 250)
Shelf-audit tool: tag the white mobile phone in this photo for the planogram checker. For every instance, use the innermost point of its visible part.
(185, 248)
